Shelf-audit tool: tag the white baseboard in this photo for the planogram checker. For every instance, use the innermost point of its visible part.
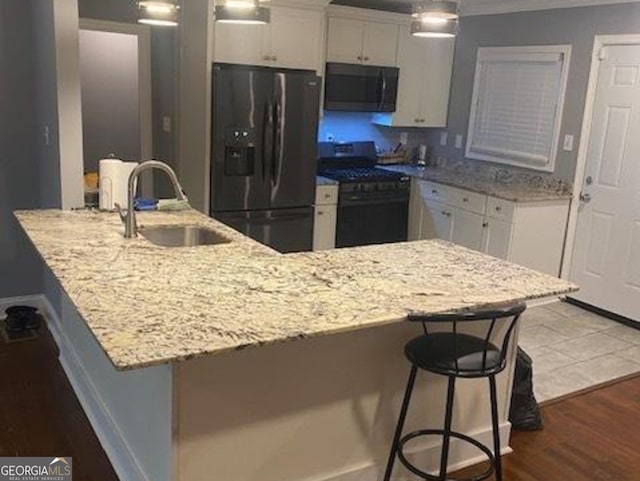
(114, 444)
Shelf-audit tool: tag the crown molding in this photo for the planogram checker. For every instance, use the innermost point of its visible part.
(491, 7)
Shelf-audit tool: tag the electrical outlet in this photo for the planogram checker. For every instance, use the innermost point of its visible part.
(443, 138)
(404, 138)
(568, 143)
(329, 137)
(458, 141)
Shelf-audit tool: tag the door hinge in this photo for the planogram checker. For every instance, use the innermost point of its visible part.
(602, 53)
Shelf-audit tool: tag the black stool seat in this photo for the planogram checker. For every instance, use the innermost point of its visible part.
(456, 355)
(448, 353)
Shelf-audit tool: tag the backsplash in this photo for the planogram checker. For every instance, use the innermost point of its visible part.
(353, 126)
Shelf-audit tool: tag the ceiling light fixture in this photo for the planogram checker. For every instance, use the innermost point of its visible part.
(247, 12)
(162, 13)
(435, 19)
(443, 9)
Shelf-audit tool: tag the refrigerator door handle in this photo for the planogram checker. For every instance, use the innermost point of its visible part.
(277, 147)
(267, 138)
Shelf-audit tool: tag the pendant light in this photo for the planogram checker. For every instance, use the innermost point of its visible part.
(162, 13)
(248, 12)
(435, 19)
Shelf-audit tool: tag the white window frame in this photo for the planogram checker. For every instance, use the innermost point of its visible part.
(522, 53)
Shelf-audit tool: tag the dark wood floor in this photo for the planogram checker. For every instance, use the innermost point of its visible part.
(591, 437)
(40, 414)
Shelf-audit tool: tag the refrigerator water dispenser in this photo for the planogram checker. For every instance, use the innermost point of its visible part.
(239, 153)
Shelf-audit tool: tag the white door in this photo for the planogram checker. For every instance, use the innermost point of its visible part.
(344, 40)
(380, 44)
(606, 262)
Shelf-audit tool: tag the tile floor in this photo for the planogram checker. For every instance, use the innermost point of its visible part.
(573, 349)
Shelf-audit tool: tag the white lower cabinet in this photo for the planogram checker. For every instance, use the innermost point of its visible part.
(496, 238)
(325, 217)
(527, 233)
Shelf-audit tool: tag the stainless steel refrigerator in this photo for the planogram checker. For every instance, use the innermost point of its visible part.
(263, 153)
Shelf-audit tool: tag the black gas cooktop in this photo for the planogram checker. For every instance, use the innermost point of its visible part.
(361, 174)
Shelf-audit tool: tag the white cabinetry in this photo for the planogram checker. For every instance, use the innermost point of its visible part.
(325, 217)
(424, 84)
(293, 39)
(527, 233)
(362, 42)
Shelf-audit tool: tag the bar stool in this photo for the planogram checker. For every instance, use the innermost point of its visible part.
(457, 355)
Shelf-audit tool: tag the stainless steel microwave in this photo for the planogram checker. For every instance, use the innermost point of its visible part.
(360, 88)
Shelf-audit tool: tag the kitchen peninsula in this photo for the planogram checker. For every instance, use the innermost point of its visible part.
(156, 342)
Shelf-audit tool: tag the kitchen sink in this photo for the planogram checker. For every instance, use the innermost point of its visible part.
(182, 236)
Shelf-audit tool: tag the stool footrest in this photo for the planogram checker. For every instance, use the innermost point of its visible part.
(440, 432)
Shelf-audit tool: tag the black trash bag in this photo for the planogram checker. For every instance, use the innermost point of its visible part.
(524, 413)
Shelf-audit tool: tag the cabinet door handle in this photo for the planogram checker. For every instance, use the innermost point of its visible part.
(445, 213)
(366, 59)
(274, 58)
(326, 196)
(359, 57)
(266, 57)
(434, 191)
(320, 212)
(485, 224)
(498, 208)
(417, 121)
(466, 199)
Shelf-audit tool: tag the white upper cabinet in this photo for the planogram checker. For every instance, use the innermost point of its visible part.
(360, 42)
(293, 39)
(296, 38)
(425, 77)
(237, 43)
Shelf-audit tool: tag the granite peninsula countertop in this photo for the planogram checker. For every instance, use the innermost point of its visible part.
(149, 305)
(502, 183)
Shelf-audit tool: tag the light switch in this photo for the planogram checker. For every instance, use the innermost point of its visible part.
(166, 124)
(568, 143)
(458, 141)
(443, 138)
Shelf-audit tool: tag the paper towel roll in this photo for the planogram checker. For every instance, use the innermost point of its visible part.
(114, 176)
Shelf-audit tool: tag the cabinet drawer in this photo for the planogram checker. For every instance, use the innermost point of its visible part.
(326, 194)
(500, 209)
(467, 200)
(438, 192)
(446, 194)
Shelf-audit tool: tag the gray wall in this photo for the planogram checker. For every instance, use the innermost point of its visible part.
(575, 26)
(20, 269)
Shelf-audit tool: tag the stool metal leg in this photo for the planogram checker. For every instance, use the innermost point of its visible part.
(444, 457)
(496, 428)
(400, 425)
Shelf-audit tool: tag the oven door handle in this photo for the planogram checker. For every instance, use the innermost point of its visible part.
(382, 85)
(346, 201)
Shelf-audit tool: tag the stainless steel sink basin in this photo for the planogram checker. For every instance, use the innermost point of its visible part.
(182, 236)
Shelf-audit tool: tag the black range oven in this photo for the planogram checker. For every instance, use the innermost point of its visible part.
(373, 203)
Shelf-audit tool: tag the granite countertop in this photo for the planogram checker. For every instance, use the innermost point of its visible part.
(149, 305)
(497, 182)
(324, 181)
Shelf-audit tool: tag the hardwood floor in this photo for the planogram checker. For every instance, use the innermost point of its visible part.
(589, 437)
(40, 414)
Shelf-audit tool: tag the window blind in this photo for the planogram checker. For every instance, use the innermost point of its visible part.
(516, 111)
